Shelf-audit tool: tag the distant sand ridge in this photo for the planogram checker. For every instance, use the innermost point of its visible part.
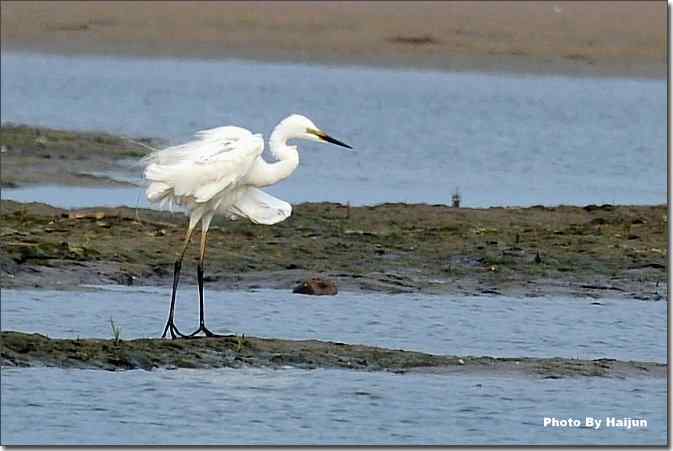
(606, 38)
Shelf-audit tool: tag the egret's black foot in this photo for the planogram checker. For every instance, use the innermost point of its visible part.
(172, 328)
(206, 333)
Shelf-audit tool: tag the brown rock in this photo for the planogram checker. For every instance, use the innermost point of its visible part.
(316, 286)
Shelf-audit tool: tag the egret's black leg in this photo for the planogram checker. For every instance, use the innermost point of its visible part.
(202, 323)
(170, 324)
(199, 274)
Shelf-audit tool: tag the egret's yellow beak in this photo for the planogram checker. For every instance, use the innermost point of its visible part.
(327, 138)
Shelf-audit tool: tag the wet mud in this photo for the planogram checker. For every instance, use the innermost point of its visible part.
(28, 350)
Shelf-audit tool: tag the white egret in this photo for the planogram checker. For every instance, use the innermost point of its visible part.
(219, 173)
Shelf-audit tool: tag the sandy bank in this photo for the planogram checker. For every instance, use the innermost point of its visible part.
(592, 38)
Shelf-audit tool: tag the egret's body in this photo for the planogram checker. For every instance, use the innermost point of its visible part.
(220, 173)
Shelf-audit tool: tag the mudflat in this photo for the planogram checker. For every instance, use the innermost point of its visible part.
(588, 37)
(34, 155)
(22, 350)
(616, 251)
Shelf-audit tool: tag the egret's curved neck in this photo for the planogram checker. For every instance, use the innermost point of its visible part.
(287, 156)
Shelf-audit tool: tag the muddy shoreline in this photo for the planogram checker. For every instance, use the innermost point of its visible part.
(595, 251)
(34, 350)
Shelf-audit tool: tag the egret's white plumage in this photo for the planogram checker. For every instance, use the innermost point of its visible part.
(220, 172)
(208, 174)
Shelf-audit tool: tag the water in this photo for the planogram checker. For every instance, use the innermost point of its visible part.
(80, 197)
(502, 139)
(292, 406)
(500, 326)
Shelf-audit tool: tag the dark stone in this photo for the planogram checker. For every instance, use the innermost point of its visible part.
(316, 286)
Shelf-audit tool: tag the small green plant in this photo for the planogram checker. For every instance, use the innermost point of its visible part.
(116, 332)
(240, 342)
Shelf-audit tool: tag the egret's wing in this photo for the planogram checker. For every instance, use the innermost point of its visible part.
(200, 169)
(206, 143)
(260, 207)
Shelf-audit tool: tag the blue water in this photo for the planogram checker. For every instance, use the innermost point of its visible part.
(499, 139)
(290, 406)
(496, 326)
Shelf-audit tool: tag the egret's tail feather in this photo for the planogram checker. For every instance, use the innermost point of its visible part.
(260, 207)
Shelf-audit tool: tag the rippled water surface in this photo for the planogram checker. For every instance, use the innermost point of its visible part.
(290, 406)
(501, 139)
(495, 326)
